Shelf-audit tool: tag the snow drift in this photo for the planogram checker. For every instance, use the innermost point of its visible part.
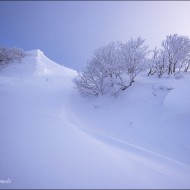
(52, 138)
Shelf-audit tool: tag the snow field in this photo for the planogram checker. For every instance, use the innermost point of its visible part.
(52, 138)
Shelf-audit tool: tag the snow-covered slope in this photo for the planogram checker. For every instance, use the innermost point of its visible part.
(51, 137)
(35, 64)
(153, 114)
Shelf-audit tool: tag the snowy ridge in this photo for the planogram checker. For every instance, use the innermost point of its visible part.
(46, 67)
(51, 137)
(36, 64)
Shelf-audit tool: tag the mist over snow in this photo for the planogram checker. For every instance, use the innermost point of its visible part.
(51, 137)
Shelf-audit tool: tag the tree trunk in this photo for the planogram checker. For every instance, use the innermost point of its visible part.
(170, 70)
(186, 69)
(174, 68)
(149, 72)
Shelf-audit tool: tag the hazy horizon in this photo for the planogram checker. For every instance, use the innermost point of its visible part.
(69, 32)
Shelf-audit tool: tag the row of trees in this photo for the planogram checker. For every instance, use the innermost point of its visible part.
(114, 67)
(173, 57)
(8, 55)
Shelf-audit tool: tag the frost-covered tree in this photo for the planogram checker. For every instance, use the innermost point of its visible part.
(112, 68)
(187, 64)
(158, 63)
(103, 72)
(8, 55)
(3, 55)
(152, 61)
(177, 49)
(161, 64)
(134, 57)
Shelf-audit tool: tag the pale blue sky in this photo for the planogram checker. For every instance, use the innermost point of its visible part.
(69, 32)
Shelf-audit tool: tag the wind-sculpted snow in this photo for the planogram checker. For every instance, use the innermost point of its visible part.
(52, 138)
(36, 64)
(178, 101)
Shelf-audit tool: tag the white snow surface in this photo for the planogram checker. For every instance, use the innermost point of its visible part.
(51, 137)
